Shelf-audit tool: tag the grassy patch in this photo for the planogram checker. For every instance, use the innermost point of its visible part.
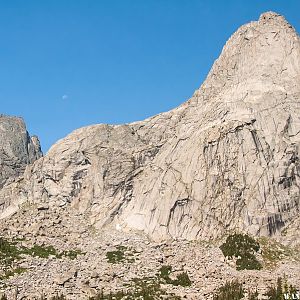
(46, 251)
(234, 291)
(147, 288)
(244, 249)
(230, 291)
(115, 257)
(72, 254)
(281, 290)
(273, 252)
(8, 252)
(39, 251)
(12, 272)
(182, 279)
(121, 254)
(164, 273)
(11, 253)
(57, 297)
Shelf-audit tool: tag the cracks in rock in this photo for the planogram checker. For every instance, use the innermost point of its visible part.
(77, 182)
(179, 204)
(287, 126)
(126, 188)
(274, 223)
(152, 213)
(287, 181)
(142, 157)
(49, 177)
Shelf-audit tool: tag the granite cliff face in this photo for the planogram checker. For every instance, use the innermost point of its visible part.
(17, 149)
(227, 159)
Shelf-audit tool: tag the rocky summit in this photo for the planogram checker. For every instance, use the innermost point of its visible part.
(17, 148)
(165, 204)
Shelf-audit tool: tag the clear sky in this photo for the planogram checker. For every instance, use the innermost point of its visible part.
(67, 64)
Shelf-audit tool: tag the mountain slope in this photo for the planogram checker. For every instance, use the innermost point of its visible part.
(227, 159)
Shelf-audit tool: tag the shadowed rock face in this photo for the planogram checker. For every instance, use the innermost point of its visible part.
(17, 148)
(226, 159)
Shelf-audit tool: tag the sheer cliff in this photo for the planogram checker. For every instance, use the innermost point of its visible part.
(17, 149)
(227, 159)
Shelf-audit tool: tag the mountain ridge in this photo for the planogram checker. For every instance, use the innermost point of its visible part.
(110, 207)
(17, 149)
(190, 172)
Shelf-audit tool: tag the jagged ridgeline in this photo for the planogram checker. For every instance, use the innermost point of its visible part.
(227, 159)
(17, 149)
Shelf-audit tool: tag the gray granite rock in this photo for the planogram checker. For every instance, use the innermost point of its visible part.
(17, 148)
(227, 159)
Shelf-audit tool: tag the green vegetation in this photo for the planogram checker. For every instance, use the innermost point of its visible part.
(72, 254)
(282, 288)
(244, 248)
(272, 252)
(234, 291)
(39, 251)
(182, 279)
(115, 257)
(230, 291)
(147, 288)
(121, 254)
(46, 251)
(275, 293)
(164, 273)
(8, 252)
(11, 253)
(57, 297)
(12, 272)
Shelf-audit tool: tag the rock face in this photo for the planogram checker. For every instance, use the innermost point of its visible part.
(17, 149)
(227, 159)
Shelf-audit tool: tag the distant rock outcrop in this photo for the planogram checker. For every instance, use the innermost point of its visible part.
(227, 159)
(17, 149)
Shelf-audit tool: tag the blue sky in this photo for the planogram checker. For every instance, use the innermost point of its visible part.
(67, 64)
